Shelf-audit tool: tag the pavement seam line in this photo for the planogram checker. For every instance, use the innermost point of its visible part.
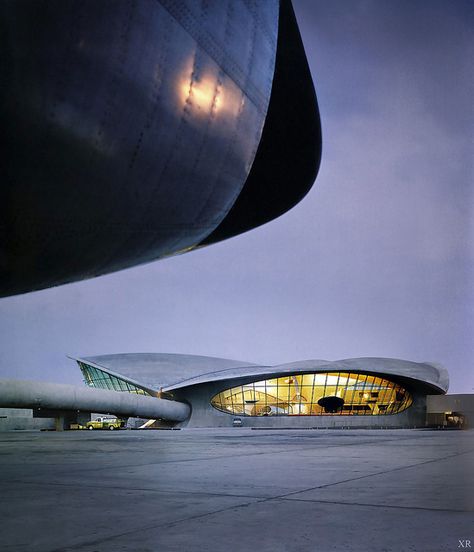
(156, 526)
(377, 505)
(378, 473)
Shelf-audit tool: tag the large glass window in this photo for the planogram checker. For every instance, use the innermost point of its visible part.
(328, 394)
(93, 377)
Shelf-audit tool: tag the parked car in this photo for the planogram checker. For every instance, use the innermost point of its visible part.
(106, 423)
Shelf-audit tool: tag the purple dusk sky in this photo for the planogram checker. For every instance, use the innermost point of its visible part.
(377, 260)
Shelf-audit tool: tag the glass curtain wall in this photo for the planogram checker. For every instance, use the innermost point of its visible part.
(93, 377)
(328, 394)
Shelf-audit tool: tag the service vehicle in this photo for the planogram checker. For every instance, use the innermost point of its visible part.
(106, 423)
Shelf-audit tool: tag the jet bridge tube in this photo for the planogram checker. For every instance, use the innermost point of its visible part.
(58, 396)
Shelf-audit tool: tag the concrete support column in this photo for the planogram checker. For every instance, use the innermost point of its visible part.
(59, 423)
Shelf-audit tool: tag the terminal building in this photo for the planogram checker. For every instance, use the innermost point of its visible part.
(358, 392)
(158, 390)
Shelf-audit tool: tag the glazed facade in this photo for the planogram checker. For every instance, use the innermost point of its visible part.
(93, 377)
(317, 394)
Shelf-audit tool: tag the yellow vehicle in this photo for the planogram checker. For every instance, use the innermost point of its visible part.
(106, 423)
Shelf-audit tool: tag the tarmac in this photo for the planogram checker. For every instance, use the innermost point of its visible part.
(237, 490)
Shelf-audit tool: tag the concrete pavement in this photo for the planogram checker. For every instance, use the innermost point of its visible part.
(237, 490)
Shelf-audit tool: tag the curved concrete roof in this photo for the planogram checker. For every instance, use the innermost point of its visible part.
(161, 370)
(174, 371)
(429, 373)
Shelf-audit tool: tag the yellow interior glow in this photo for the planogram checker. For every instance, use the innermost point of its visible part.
(298, 395)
